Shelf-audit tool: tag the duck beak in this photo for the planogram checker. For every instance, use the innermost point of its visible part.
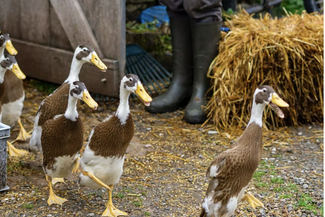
(97, 62)
(143, 95)
(277, 101)
(16, 70)
(89, 100)
(10, 48)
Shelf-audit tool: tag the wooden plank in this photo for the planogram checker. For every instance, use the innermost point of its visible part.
(75, 24)
(35, 21)
(107, 19)
(53, 65)
(10, 19)
(58, 37)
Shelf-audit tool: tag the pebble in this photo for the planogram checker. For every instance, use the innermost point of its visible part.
(90, 214)
(200, 156)
(273, 151)
(148, 129)
(305, 186)
(211, 132)
(300, 133)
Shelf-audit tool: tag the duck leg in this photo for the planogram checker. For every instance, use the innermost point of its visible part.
(53, 198)
(14, 152)
(23, 135)
(110, 209)
(252, 200)
(76, 166)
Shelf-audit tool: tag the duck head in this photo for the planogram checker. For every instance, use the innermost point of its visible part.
(265, 95)
(132, 83)
(78, 90)
(86, 53)
(6, 42)
(9, 62)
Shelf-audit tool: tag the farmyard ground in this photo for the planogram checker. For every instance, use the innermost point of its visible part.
(164, 171)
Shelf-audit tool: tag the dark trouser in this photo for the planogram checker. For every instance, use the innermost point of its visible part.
(199, 10)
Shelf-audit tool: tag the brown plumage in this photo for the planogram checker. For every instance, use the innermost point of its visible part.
(231, 171)
(61, 137)
(15, 87)
(103, 145)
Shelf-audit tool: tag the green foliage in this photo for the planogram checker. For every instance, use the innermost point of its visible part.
(27, 206)
(142, 27)
(306, 202)
(44, 87)
(293, 6)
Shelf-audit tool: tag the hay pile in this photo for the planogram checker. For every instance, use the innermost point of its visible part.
(286, 54)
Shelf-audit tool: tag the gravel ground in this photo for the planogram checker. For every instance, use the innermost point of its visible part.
(164, 171)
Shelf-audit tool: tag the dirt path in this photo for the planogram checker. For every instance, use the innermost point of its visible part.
(164, 171)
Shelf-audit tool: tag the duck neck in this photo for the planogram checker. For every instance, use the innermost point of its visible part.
(2, 50)
(123, 109)
(71, 113)
(257, 114)
(2, 71)
(74, 70)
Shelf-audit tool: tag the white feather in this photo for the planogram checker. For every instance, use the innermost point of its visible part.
(62, 167)
(107, 169)
(12, 111)
(35, 139)
(213, 171)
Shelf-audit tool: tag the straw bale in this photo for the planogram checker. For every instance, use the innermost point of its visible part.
(285, 53)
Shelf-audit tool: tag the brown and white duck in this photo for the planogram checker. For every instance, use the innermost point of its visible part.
(231, 171)
(11, 98)
(102, 161)
(56, 103)
(62, 139)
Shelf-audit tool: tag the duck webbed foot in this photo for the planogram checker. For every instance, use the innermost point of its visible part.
(110, 208)
(14, 152)
(252, 200)
(53, 198)
(56, 180)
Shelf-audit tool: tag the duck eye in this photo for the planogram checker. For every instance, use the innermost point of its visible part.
(264, 90)
(1, 36)
(85, 49)
(130, 79)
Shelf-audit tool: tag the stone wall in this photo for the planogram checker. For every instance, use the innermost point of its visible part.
(134, 7)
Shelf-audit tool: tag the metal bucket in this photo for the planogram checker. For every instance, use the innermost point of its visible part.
(4, 134)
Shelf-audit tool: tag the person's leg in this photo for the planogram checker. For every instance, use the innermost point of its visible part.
(206, 23)
(180, 88)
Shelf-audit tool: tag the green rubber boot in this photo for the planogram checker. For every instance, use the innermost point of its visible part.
(205, 43)
(180, 88)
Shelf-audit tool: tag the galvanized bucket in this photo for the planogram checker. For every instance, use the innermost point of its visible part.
(4, 134)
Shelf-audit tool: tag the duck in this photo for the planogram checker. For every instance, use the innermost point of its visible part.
(101, 163)
(231, 171)
(62, 139)
(13, 100)
(11, 97)
(56, 103)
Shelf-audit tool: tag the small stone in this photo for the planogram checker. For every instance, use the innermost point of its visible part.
(148, 129)
(200, 156)
(147, 146)
(211, 132)
(161, 134)
(273, 151)
(305, 186)
(300, 133)
(262, 211)
(100, 109)
(90, 214)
